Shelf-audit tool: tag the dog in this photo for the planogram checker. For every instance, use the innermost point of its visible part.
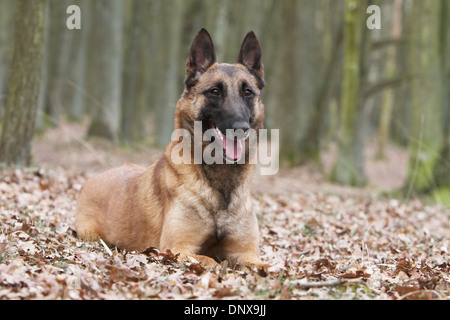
(201, 211)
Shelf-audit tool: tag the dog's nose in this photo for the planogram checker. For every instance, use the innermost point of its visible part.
(243, 125)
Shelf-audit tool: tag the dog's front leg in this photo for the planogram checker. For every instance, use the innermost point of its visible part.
(184, 232)
(241, 246)
(187, 247)
(203, 260)
(246, 254)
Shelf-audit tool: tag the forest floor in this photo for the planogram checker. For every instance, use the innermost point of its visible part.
(323, 241)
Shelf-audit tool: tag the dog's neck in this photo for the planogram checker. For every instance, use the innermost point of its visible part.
(224, 178)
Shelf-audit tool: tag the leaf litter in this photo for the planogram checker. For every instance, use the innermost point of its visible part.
(319, 246)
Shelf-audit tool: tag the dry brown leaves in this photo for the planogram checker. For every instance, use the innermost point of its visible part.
(320, 246)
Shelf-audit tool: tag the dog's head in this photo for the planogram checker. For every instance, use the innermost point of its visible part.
(225, 97)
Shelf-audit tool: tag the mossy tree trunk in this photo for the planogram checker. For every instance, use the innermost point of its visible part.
(23, 84)
(348, 168)
(387, 103)
(6, 20)
(442, 170)
(427, 92)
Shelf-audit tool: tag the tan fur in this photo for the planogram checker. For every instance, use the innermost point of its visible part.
(177, 206)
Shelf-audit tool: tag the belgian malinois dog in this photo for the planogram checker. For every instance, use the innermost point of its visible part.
(203, 211)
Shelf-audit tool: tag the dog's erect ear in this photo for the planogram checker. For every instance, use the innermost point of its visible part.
(201, 56)
(251, 57)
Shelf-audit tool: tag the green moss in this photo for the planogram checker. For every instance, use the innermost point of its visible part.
(442, 196)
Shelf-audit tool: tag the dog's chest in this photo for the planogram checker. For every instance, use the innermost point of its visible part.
(225, 221)
(207, 208)
(219, 228)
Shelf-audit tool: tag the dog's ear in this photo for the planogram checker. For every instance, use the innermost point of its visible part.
(250, 56)
(201, 56)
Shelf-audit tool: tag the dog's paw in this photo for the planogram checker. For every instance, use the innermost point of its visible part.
(205, 261)
(88, 233)
(260, 267)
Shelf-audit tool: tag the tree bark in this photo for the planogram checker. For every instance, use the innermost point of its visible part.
(132, 108)
(388, 96)
(348, 168)
(105, 68)
(442, 169)
(23, 84)
(426, 137)
(59, 47)
(311, 143)
(75, 106)
(173, 79)
(6, 20)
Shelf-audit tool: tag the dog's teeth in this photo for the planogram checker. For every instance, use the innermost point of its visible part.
(219, 134)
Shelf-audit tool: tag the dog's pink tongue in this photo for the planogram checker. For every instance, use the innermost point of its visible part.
(233, 148)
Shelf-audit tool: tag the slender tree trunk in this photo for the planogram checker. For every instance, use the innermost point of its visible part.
(271, 69)
(283, 99)
(426, 139)
(310, 79)
(40, 119)
(23, 84)
(399, 130)
(311, 143)
(388, 97)
(59, 47)
(76, 85)
(173, 81)
(348, 168)
(6, 7)
(153, 57)
(132, 113)
(105, 69)
(442, 169)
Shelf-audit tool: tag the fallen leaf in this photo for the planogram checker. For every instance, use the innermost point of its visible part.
(169, 257)
(196, 268)
(412, 293)
(355, 274)
(224, 292)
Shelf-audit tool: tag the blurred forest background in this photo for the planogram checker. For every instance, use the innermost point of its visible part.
(331, 80)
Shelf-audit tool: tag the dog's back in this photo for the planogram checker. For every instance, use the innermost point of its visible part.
(109, 207)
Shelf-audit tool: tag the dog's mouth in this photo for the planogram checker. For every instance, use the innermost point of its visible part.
(232, 146)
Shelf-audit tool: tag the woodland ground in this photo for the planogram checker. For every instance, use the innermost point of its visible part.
(323, 241)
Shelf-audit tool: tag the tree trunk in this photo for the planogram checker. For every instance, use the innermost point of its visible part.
(348, 168)
(105, 69)
(426, 137)
(76, 85)
(311, 144)
(442, 169)
(23, 84)
(388, 96)
(132, 108)
(399, 130)
(311, 77)
(6, 19)
(282, 97)
(59, 47)
(173, 79)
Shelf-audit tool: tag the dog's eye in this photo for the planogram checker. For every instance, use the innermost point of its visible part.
(248, 93)
(214, 92)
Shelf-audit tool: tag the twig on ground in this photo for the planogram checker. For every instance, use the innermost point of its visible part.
(327, 283)
(106, 247)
